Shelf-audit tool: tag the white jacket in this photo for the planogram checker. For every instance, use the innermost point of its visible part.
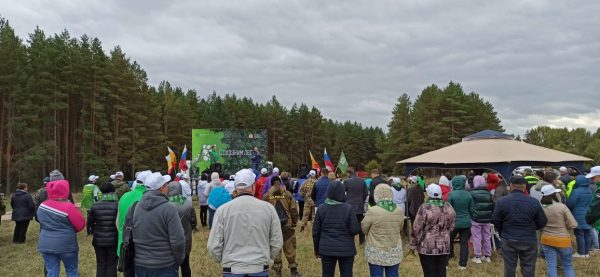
(245, 235)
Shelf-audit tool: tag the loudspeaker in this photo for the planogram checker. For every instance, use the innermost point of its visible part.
(303, 169)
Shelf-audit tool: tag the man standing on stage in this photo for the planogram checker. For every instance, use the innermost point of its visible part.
(256, 157)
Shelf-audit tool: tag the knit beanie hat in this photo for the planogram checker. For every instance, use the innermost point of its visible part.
(479, 181)
(56, 175)
(383, 192)
(214, 176)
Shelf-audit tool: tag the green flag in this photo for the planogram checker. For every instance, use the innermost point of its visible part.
(343, 163)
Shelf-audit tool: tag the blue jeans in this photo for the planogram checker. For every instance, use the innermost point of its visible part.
(595, 244)
(211, 215)
(566, 257)
(70, 260)
(378, 270)
(260, 274)
(171, 271)
(584, 241)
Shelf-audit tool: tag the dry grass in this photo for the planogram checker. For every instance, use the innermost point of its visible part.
(24, 260)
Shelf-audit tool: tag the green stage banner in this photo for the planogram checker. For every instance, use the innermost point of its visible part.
(231, 148)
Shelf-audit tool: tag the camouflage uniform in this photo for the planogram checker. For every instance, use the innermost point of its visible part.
(288, 202)
(309, 204)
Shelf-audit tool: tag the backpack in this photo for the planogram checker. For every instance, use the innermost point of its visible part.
(283, 218)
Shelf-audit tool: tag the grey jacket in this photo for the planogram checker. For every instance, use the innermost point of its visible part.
(157, 232)
(356, 193)
(246, 235)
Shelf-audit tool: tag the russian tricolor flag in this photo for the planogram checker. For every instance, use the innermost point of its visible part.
(328, 163)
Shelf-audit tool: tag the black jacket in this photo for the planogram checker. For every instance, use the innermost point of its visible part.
(101, 223)
(415, 196)
(335, 225)
(376, 181)
(483, 206)
(357, 193)
(517, 217)
(22, 205)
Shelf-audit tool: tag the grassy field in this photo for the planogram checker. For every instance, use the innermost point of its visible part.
(24, 260)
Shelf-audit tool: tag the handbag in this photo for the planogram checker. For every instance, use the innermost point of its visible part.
(126, 262)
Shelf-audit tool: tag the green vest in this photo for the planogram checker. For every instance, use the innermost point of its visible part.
(570, 186)
(89, 195)
(126, 201)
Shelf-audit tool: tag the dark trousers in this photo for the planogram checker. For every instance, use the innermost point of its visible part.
(211, 214)
(204, 215)
(433, 265)
(300, 209)
(523, 251)
(361, 235)
(186, 271)
(106, 261)
(328, 266)
(20, 234)
(464, 235)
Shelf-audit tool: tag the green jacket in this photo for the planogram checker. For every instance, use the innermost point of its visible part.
(592, 216)
(461, 201)
(126, 201)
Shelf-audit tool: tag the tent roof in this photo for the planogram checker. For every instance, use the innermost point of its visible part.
(488, 134)
(492, 151)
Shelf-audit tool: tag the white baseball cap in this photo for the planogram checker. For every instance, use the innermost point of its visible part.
(244, 178)
(178, 175)
(595, 171)
(93, 178)
(143, 175)
(264, 171)
(312, 173)
(434, 191)
(119, 174)
(549, 190)
(562, 169)
(276, 170)
(156, 181)
(113, 176)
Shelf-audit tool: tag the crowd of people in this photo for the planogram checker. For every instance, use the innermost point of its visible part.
(253, 220)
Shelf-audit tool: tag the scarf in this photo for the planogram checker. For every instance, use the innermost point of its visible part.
(435, 202)
(177, 199)
(332, 202)
(421, 182)
(387, 205)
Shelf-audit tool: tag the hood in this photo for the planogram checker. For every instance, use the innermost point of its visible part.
(444, 181)
(479, 181)
(153, 199)
(458, 182)
(493, 179)
(383, 192)
(58, 189)
(174, 188)
(336, 191)
(582, 182)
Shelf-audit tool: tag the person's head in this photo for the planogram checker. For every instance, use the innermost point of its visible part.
(174, 189)
(336, 191)
(581, 181)
(383, 192)
(276, 170)
(255, 148)
(244, 181)
(434, 191)
(539, 174)
(324, 172)
(517, 182)
(459, 182)
(444, 181)
(331, 176)
(594, 174)
(45, 181)
(214, 176)
(312, 174)
(213, 147)
(93, 179)
(264, 171)
(58, 189)
(107, 188)
(527, 172)
(285, 175)
(55, 175)
(549, 194)
(479, 181)
(157, 181)
(119, 175)
(563, 170)
(492, 178)
(22, 186)
(374, 172)
(550, 177)
(351, 171)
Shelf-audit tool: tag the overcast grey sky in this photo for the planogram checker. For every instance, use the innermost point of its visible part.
(536, 61)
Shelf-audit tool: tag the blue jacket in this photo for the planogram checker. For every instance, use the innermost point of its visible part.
(580, 200)
(518, 216)
(319, 192)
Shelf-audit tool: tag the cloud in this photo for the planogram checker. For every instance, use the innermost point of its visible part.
(535, 61)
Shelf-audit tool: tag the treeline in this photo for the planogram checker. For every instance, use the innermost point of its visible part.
(67, 104)
(577, 141)
(437, 118)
